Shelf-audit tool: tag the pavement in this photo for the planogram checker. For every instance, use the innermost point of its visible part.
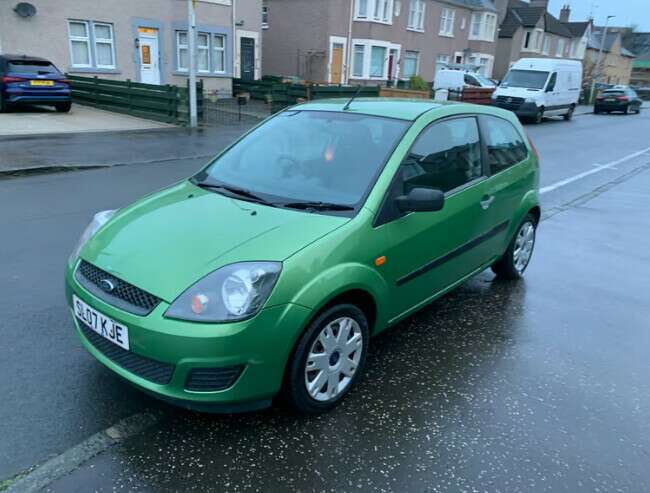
(538, 385)
(41, 120)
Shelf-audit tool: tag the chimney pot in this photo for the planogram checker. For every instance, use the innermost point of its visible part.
(565, 13)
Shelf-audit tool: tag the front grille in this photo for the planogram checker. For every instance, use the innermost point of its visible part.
(149, 369)
(509, 102)
(123, 295)
(212, 379)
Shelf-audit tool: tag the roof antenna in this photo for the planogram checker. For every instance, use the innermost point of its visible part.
(347, 105)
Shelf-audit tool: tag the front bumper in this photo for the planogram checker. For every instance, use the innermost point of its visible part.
(525, 110)
(259, 346)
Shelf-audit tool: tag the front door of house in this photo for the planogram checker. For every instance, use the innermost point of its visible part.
(247, 54)
(392, 57)
(337, 63)
(149, 59)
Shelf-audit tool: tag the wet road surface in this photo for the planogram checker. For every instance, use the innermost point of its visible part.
(533, 386)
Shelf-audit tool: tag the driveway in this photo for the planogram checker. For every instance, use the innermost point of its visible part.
(36, 120)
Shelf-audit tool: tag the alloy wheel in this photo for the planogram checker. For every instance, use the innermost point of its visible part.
(524, 243)
(333, 359)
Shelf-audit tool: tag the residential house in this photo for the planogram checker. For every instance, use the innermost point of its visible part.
(615, 62)
(376, 41)
(144, 40)
(527, 29)
(639, 44)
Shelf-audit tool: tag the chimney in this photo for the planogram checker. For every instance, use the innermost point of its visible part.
(565, 13)
(539, 3)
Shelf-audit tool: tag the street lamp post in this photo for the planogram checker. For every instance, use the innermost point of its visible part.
(598, 70)
(191, 35)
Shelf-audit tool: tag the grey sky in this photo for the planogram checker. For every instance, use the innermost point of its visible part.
(627, 12)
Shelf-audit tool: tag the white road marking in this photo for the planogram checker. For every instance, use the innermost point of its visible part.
(72, 458)
(597, 169)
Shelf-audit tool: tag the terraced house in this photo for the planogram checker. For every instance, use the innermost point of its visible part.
(376, 41)
(527, 29)
(143, 40)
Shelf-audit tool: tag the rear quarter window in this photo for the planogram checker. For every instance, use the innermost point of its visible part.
(505, 145)
(31, 67)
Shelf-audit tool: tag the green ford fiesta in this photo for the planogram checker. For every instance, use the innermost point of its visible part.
(267, 272)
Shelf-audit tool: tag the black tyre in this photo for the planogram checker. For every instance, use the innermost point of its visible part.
(328, 360)
(638, 110)
(627, 110)
(63, 107)
(596, 111)
(539, 116)
(517, 257)
(3, 105)
(569, 115)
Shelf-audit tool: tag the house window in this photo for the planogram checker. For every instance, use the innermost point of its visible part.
(526, 45)
(357, 63)
(416, 15)
(377, 61)
(475, 31)
(442, 61)
(560, 48)
(539, 35)
(411, 59)
(483, 26)
(219, 52)
(91, 44)
(104, 49)
(375, 10)
(265, 16)
(210, 52)
(490, 25)
(547, 45)
(447, 22)
(79, 43)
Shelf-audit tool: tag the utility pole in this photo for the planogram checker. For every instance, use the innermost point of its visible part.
(597, 69)
(191, 35)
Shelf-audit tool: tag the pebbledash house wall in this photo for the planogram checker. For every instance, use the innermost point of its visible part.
(303, 29)
(46, 34)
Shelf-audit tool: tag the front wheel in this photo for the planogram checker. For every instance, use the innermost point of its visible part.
(569, 114)
(514, 262)
(328, 359)
(539, 116)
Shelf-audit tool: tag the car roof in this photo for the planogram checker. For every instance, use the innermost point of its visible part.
(403, 109)
(26, 58)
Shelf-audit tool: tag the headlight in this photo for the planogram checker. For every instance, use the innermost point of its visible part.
(98, 221)
(231, 293)
(529, 100)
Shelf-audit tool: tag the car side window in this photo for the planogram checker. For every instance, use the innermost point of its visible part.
(552, 82)
(470, 81)
(505, 145)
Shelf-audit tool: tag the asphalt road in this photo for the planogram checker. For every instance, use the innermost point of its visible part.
(540, 385)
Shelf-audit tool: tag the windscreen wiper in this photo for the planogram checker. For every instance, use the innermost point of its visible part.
(319, 206)
(241, 192)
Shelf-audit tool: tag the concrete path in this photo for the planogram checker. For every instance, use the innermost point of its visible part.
(39, 120)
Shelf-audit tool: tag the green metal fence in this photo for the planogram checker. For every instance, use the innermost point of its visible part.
(165, 103)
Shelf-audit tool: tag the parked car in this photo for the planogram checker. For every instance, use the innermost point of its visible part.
(619, 98)
(270, 269)
(456, 80)
(31, 80)
(538, 87)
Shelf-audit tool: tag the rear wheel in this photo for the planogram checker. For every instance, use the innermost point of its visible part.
(63, 107)
(514, 262)
(627, 110)
(3, 104)
(596, 111)
(638, 110)
(569, 114)
(328, 359)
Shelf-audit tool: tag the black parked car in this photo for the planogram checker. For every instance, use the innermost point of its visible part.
(618, 99)
(31, 80)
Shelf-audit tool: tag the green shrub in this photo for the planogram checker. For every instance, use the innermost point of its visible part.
(417, 83)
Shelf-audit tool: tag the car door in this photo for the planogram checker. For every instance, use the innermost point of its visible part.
(512, 175)
(554, 99)
(429, 251)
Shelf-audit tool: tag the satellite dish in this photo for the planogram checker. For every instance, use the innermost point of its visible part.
(24, 9)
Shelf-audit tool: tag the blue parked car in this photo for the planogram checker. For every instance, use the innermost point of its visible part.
(32, 80)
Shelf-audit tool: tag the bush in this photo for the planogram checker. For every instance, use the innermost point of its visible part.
(417, 83)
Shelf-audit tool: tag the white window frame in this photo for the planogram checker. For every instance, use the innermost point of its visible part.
(83, 39)
(486, 23)
(560, 47)
(447, 18)
(206, 48)
(380, 11)
(334, 40)
(364, 73)
(106, 41)
(417, 64)
(417, 12)
(265, 16)
(211, 49)
(535, 40)
(180, 47)
(488, 66)
(546, 45)
(221, 49)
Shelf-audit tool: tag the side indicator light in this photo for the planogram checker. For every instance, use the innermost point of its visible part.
(380, 260)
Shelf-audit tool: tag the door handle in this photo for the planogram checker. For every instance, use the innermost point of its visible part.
(487, 201)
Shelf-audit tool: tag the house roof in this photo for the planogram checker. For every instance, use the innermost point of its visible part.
(475, 4)
(639, 43)
(596, 39)
(521, 14)
(577, 29)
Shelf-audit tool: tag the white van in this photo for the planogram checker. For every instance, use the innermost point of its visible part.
(456, 80)
(539, 87)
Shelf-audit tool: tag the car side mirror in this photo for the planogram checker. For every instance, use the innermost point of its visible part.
(421, 200)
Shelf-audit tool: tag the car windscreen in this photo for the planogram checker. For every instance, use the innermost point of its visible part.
(316, 156)
(31, 67)
(533, 79)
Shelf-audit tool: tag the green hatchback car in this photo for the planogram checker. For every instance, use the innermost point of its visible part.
(269, 270)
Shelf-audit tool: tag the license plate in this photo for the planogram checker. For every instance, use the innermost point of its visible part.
(100, 323)
(41, 82)
(610, 100)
